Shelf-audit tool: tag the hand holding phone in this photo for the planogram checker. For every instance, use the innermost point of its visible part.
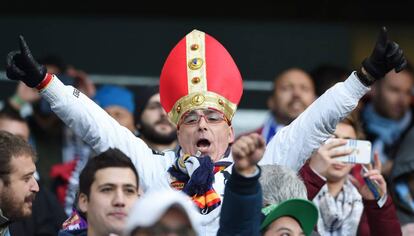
(374, 186)
(322, 158)
(361, 153)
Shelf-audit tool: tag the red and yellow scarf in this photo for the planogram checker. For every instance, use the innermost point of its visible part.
(195, 176)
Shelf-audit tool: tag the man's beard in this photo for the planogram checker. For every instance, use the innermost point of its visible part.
(149, 133)
(285, 117)
(12, 209)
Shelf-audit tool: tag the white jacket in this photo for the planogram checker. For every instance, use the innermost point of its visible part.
(290, 147)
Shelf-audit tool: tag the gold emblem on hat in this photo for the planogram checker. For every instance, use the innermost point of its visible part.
(194, 47)
(178, 108)
(198, 99)
(220, 102)
(195, 63)
(195, 80)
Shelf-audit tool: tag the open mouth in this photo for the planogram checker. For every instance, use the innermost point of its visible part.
(203, 143)
(30, 198)
(297, 104)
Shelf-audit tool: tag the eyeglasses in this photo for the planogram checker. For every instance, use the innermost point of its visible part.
(210, 116)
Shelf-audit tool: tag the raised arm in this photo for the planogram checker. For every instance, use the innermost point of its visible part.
(82, 115)
(292, 145)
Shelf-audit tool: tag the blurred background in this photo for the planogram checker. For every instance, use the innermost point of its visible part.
(93, 43)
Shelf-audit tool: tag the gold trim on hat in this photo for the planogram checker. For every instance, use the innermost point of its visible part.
(203, 100)
(196, 58)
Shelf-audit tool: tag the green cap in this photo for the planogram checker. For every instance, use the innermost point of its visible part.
(304, 211)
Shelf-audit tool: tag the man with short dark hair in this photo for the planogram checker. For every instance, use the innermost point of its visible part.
(18, 187)
(152, 122)
(41, 222)
(108, 187)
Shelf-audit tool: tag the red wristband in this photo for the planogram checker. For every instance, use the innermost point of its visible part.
(44, 82)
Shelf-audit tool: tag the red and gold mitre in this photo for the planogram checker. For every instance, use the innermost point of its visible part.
(200, 73)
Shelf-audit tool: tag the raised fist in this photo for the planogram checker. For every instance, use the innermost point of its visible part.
(247, 151)
(387, 55)
(21, 65)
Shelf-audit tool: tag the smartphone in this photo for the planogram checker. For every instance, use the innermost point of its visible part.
(372, 185)
(361, 153)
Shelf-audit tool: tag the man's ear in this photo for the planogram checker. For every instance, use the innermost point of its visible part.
(231, 134)
(83, 202)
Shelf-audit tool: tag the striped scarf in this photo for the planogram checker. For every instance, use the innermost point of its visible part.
(195, 176)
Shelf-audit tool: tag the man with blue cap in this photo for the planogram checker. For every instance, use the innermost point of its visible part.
(119, 103)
